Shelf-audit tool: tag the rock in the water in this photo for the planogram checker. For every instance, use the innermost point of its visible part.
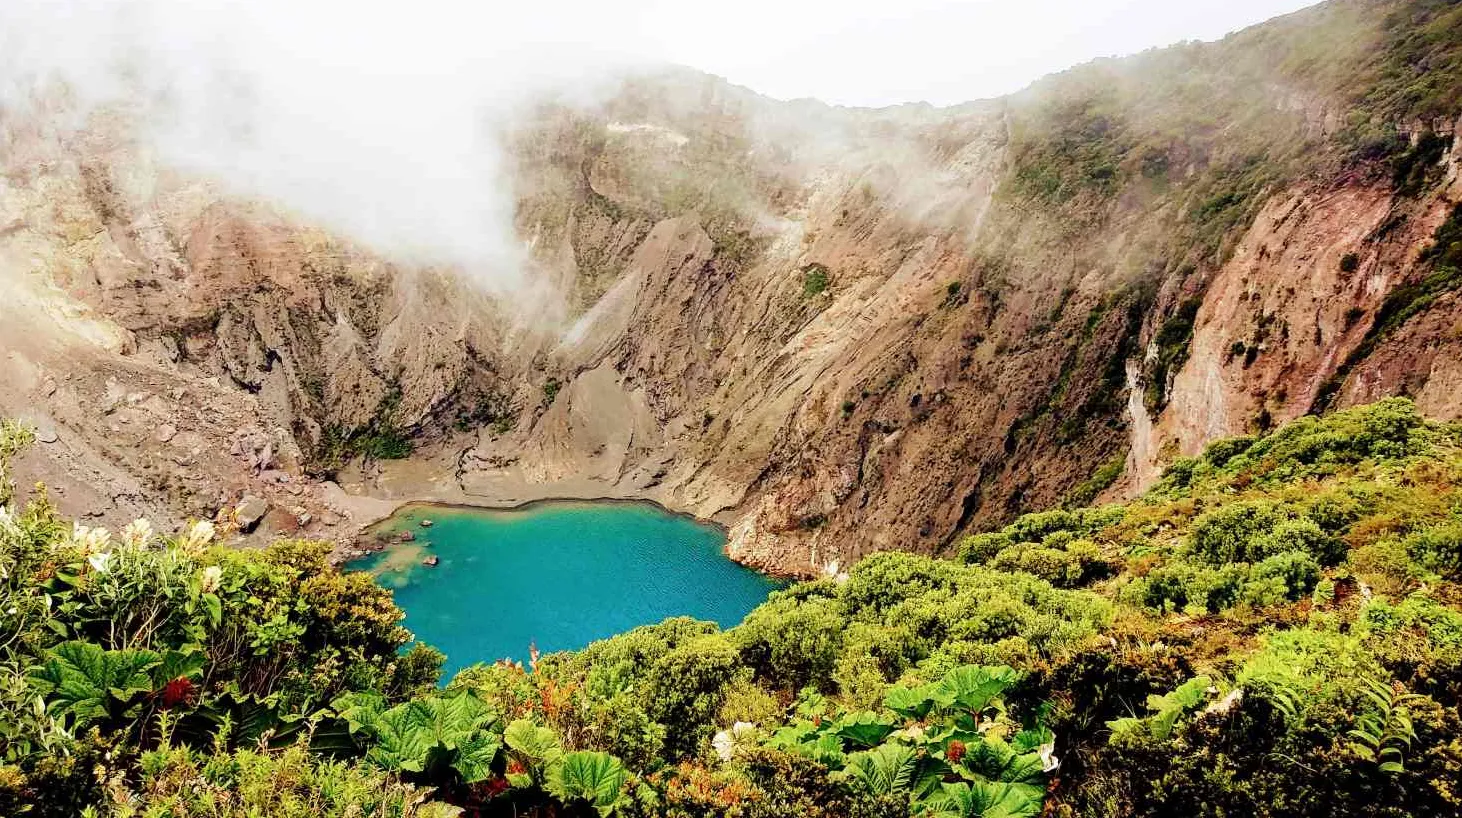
(426, 523)
(432, 560)
(406, 536)
(250, 511)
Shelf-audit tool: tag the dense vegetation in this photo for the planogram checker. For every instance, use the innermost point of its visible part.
(1272, 630)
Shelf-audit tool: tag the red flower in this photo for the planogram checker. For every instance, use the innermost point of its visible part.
(495, 787)
(178, 691)
(955, 751)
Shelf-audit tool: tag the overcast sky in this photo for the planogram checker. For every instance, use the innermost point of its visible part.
(859, 52)
(874, 52)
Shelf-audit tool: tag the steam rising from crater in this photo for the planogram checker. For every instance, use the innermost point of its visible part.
(383, 120)
(378, 120)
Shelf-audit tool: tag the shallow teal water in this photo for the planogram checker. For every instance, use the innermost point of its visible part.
(559, 575)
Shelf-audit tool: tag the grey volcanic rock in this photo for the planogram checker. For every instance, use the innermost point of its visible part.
(250, 511)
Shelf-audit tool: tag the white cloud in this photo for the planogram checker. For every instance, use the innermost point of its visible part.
(379, 118)
(376, 119)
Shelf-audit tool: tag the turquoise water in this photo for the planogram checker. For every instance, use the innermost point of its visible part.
(559, 575)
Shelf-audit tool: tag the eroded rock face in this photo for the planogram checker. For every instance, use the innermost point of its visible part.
(1279, 321)
(837, 331)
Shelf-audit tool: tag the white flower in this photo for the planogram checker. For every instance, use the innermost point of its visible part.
(7, 520)
(199, 536)
(1049, 762)
(137, 533)
(1226, 704)
(914, 732)
(724, 745)
(211, 577)
(100, 561)
(727, 741)
(91, 540)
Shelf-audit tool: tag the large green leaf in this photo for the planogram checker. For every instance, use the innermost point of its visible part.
(452, 719)
(403, 738)
(974, 687)
(360, 711)
(806, 739)
(950, 801)
(793, 735)
(866, 729)
(595, 777)
(179, 664)
(411, 736)
(1170, 706)
(332, 736)
(827, 750)
(536, 748)
(1025, 768)
(990, 800)
(474, 757)
(1027, 740)
(90, 682)
(910, 702)
(885, 770)
(214, 606)
(993, 760)
(250, 719)
(981, 800)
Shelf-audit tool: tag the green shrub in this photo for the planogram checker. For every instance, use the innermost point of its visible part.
(1185, 587)
(685, 689)
(1071, 565)
(815, 280)
(1036, 527)
(1099, 481)
(1234, 532)
(980, 548)
(1437, 549)
(791, 643)
(1299, 534)
(1414, 169)
(1289, 575)
(1311, 447)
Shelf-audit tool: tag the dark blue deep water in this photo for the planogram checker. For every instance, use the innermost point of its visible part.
(559, 575)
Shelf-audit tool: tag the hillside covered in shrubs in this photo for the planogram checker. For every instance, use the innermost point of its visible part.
(1274, 629)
